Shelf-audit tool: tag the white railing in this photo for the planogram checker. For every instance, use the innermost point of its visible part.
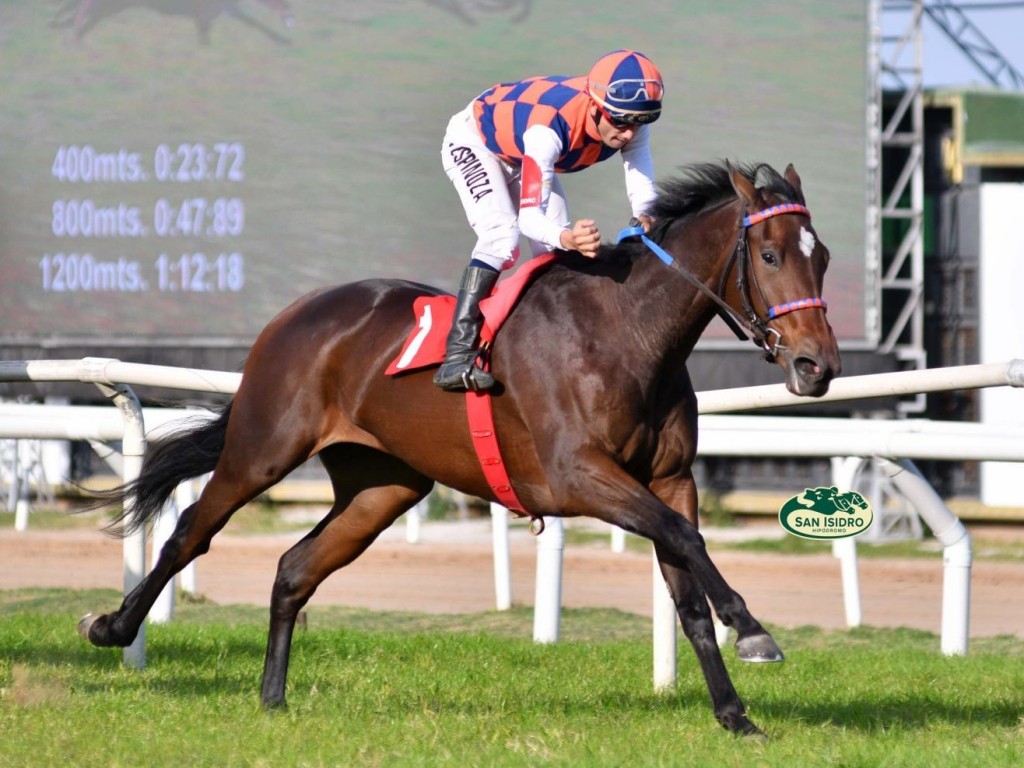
(113, 378)
(1010, 373)
(110, 372)
(720, 435)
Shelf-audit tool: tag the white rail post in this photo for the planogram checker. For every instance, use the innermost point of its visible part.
(845, 550)
(163, 528)
(722, 631)
(502, 559)
(547, 604)
(663, 630)
(413, 517)
(618, 540)
(133, 449)
(957, 554)
(19, 488)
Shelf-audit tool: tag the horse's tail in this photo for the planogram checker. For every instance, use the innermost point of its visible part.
(189, 451)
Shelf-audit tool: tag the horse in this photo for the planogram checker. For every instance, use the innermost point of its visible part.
(595, 411)
(82, 15)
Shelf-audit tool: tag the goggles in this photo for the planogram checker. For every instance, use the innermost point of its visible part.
(614, 98)
(633, 90)
(628, 119)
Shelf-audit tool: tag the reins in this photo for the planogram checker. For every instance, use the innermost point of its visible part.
(752, 322)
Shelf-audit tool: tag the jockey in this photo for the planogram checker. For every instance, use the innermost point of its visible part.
(502, 153)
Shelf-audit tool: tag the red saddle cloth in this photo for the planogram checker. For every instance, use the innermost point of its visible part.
(425, 345)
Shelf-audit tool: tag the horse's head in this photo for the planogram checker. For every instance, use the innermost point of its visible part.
(778, 269)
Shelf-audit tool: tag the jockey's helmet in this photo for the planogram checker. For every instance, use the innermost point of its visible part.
(627, 87)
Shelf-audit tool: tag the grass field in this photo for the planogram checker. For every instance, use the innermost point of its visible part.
(376, 689)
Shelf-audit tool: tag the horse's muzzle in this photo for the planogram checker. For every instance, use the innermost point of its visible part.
(810, 375)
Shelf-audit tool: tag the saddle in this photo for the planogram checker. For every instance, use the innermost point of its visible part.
(425, 348)
(425, 345)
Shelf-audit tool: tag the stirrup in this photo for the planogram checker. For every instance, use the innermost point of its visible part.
(469, 379)
(467, 376)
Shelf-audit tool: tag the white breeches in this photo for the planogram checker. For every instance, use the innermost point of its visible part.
(489, 190)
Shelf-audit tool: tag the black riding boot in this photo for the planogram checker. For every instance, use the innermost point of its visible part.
(459, 372)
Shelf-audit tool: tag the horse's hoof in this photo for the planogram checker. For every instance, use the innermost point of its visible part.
(742, 728)
(85, 624)
(754, 736)
(96, 629)
(758, 649)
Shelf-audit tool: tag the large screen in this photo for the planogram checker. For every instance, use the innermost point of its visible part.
(184, 169)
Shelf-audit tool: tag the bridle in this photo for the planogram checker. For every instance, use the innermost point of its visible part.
(764, 336)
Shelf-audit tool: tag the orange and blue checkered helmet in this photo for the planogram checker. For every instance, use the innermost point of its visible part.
(627, 87)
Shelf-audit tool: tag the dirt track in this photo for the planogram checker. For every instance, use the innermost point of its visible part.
(451, 571)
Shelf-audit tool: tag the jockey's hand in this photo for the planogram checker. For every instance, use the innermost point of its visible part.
(583, 237)
(645, 221)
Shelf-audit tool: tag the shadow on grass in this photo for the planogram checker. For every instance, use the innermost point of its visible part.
(882, 714)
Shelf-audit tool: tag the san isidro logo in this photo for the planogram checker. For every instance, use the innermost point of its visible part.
(825, 513)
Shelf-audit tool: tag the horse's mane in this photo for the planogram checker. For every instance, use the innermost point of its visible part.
(707, 185)
(699, 187)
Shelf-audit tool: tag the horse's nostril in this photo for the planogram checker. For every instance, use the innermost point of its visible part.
(808, 367)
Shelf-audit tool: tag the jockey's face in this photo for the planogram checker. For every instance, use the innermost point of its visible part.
(612, 134)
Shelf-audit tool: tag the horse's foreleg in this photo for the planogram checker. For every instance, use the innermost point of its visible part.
(695, 616)
(355, 521)
(753, 642)
(679, 491)
(622, 501)
(682, 547)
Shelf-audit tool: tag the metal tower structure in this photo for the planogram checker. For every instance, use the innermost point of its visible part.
(896, 198)
(951, 19)
(896, 160)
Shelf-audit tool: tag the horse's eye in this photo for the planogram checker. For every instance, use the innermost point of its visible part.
(769, 259)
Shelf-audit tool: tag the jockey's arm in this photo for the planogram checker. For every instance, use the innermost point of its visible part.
(541, 149)
(638, 166)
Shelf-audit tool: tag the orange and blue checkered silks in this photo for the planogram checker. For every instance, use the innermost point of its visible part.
(505, 111)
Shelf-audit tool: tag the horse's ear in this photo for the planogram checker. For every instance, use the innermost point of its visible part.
(744, 187)
(794, 180)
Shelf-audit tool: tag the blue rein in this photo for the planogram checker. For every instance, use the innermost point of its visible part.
(638, 231)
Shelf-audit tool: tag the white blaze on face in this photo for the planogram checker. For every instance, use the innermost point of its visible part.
(806, 242)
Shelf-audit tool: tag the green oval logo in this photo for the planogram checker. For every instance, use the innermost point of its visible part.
(825, 513)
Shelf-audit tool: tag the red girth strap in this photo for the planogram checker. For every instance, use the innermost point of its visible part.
(478, 404)
(485, 441)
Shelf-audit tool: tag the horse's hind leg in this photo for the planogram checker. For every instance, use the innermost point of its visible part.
(371, 490)
(191, 538)
(257, 454)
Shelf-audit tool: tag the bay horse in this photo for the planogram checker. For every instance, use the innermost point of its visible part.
(595, 411)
